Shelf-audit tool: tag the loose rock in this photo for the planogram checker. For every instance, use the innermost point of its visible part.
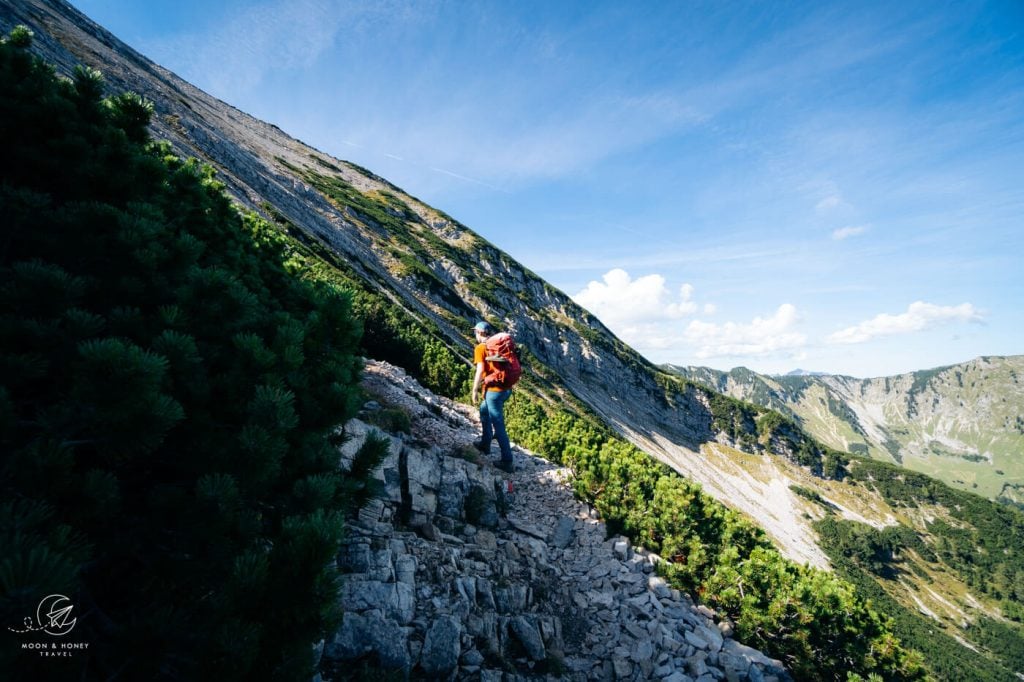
(479, 586)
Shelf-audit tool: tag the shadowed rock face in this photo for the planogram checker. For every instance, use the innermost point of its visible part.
(267, 171)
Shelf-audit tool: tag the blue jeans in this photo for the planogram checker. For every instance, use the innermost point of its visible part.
(492, 418)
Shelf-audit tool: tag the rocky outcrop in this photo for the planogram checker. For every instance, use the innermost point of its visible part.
(459, 571)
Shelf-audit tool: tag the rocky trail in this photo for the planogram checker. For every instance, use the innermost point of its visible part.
(459, 571)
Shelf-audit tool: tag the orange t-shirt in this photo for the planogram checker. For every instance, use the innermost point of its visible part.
(479, 355)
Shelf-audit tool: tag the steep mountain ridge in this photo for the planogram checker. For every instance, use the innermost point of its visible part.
(262, 166)
(961, 424)
(442, 274)
(432, 276)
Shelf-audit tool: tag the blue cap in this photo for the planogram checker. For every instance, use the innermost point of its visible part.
(483, 327)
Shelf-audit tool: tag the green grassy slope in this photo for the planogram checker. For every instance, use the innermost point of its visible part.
(961, 424)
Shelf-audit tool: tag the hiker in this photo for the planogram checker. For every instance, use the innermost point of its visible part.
(497, 370)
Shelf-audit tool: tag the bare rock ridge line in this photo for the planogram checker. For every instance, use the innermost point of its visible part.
(257, 162)
(459, 571)
(246, 151)
(248, 154)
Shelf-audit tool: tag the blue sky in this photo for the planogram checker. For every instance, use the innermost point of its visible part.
(832, 186)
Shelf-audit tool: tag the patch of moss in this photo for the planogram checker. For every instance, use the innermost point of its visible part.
(390, 419)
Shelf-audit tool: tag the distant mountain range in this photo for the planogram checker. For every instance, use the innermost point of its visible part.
(804, 373)
(962, 424)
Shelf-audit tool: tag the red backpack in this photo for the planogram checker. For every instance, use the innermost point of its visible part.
(504, 361)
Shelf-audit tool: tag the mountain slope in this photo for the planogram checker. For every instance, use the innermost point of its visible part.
(962, 424)
(441, 275)
(444, 273)
(425, 262)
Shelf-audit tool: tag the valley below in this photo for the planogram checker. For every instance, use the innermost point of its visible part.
(908, 487)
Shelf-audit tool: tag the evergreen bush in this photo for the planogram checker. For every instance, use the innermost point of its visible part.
(169, 396)
(815, 622)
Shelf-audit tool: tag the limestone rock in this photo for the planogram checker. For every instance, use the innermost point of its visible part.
(467, 593)
(452, 492)
(405, 569)
(397, 600)
(563, 533)
(442, 647)
(621, 548)
(360, 635)
(529, 636)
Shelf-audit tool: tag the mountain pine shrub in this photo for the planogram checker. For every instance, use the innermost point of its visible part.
(169, 399)
(812, 620)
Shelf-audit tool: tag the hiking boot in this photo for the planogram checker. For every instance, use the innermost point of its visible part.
(479, 445)
(506, 465)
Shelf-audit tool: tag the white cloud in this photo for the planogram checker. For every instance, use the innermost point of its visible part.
(919, 315)
(622, 302)
(828, 203)
(645, 313)
(850, 231)
(762, 336)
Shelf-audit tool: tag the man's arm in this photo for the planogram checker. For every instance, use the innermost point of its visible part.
(476, 381)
